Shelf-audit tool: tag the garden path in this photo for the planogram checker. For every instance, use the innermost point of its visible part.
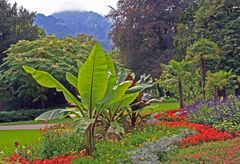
(25, 127)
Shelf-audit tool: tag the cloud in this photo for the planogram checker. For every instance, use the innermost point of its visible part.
(50, 6)
(70, 5)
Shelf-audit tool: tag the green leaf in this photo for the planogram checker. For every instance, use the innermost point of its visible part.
(117, 93)
(135, 89)
(48, 81)
(93, 78)
(82, 124)
(72, 79)
(122, 75)
(113, 76)
(52, 115)
(125, 101)
(117, 128)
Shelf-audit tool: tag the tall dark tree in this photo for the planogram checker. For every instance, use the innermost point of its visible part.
(15, 24)
(143, 30)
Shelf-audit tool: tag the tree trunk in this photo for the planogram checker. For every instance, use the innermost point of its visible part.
(224, 93)
(237, 91)
(90, 139)
(203, 73)
(215, 93)
(180, 93)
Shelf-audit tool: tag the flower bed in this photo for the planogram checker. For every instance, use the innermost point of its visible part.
(15, 158)
(212, 152)
(204, 133)
(176, 118)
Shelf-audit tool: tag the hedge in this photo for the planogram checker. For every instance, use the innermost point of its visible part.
(23, 115)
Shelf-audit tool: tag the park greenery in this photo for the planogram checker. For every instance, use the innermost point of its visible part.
(171, 85)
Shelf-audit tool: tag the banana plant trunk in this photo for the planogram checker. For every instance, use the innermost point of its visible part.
(180, 93)
(203, 73)
(90, 139)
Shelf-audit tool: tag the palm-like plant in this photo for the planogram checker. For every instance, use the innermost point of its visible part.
(200, 52)
(218, 81)
(99, 89)
(174, 73)
(237, 90)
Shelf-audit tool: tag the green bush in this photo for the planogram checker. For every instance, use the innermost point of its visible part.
(23, 115)
(56, 56)
(53, 143)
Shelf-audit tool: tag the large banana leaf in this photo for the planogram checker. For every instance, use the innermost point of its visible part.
(72, 79)
(81, 125)
(122, 74)
(135, 89)
(113, 76)
(116, 94)
(125, 101)
(93, 78)
(52, 115)
(48, 81)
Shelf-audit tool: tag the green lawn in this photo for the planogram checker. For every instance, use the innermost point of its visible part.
(23, 137)
(160, 107)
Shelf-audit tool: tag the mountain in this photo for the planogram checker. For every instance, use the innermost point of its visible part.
(71, 23)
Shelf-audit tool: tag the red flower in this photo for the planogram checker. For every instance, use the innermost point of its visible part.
(156, 115)
(204, 133)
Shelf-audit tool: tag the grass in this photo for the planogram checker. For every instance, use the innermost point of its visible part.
(35, 122)
(116, 151)
(160, 107)
(23, 137)
(213, 152)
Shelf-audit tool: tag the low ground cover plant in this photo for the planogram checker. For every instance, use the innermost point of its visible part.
(212, 152)
(204, 133)
(221, 114)
(117, 151)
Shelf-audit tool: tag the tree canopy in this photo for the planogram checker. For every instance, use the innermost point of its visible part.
(56, 56)
(16, 23)
(143, 30)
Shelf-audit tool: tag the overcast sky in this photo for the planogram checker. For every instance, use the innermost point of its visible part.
(48, 7)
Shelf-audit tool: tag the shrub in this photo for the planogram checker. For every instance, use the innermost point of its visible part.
(56, 56)
(22, 115)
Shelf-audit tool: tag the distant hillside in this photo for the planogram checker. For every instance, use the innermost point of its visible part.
(71, 23)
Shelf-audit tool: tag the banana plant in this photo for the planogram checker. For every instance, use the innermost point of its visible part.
(99, 88)
(111, 114)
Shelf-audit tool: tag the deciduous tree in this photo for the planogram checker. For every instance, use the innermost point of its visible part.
(143, 30)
